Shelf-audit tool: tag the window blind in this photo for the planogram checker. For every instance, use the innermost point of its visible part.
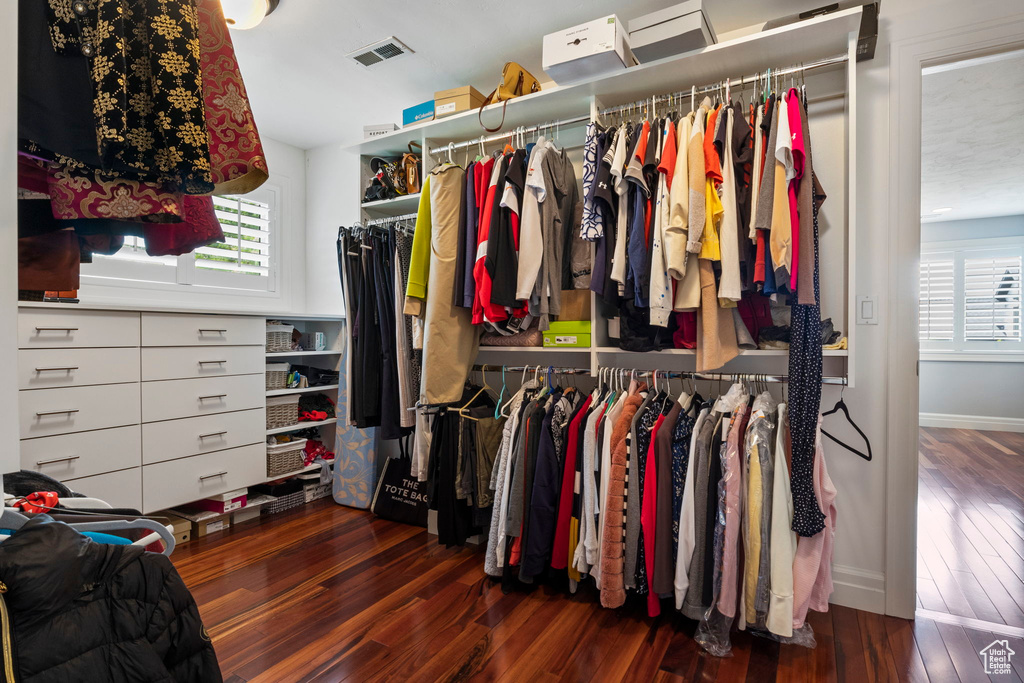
(246, 246)
(936, 300)
(992, 298)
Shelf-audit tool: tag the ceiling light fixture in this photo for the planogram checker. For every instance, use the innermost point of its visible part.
(246, 14)
(945, 209)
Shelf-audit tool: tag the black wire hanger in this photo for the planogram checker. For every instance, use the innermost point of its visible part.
(841, 406)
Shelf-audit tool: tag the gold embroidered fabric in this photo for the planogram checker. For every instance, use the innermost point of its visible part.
(147, 84)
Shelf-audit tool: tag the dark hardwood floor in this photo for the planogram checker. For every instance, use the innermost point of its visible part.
(327, 593)
(971, 525)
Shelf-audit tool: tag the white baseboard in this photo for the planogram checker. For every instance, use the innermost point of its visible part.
(980, 422)
(858, 588)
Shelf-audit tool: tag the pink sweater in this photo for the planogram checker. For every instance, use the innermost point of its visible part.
(812, 567)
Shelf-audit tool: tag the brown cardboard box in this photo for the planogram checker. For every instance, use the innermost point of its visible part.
(182, 527)
(575, 304)
(454, 100)
(211, 525)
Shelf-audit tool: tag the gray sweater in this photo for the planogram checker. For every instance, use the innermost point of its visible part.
(693, 606)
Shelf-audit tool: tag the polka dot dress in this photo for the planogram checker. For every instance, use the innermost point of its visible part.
(805, 402)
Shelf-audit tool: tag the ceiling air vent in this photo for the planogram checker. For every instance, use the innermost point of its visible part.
(375, 53)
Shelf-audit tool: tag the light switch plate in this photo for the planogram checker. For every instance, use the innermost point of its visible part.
(867, 310)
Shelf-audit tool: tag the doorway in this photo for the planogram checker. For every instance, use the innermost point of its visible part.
(970, 535)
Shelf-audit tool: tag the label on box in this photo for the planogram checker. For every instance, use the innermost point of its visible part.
(215, 526)
(565, 339)
(446, 108)
(233, 505)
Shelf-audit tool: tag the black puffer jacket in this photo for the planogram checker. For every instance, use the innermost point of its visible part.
(86, 611)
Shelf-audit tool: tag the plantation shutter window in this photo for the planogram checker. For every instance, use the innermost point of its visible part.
(971, 296)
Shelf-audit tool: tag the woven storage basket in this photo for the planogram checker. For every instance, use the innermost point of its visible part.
(285, 502)
(279, 338)
(282, 411)
(283, 458)
(277, 375)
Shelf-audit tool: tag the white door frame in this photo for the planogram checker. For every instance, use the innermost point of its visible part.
(907, 58)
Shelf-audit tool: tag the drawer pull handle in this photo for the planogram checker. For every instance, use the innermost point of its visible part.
(50, 462)
(212, 396)
(212, 434)
(211, 476)
(57, 412)
(212, 362)
(57, 329)
(211, 331)
(68, 368)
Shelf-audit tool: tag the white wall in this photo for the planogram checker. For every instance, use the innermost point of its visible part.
(972, 229)
(287, 166)
(953, 392)
(332, 200)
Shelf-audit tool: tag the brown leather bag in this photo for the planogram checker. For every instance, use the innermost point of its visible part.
(515, 82)
(411, 168)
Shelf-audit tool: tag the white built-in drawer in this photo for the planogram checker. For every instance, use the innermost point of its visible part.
(72, 456)
(194, 435)
(49, 368)
(166, 484)
(176, 398)
(47, 329)
(47, 412)
(169, 329)
(121, 489)
(179, 362)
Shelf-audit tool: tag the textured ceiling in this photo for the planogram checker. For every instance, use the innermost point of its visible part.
(305, 93)
(972, 139)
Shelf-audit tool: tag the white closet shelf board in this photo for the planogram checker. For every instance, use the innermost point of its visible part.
(802, 42)
(176, 309)
(392, 207)
(303, 390)
(805, 41)
(301, 425)
(286, 354)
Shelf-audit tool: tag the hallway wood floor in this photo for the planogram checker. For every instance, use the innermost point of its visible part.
(971, 524)
(327, 593)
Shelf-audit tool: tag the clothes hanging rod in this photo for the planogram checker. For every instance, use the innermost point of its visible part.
(390, 219)
(745, 80)
(535, 368)
(725, 377)
(484, 139)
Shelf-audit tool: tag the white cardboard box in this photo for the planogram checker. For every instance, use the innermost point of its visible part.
(595, 48)
(378, 129)
(671, 31)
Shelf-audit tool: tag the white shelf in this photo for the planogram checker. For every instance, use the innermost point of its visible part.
(393, 207)
(285, 354)
(312, 468)
(301, 425)
(303, 390)
(806, 41)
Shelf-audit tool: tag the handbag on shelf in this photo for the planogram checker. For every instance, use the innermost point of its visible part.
(411, 168)
(515, 82)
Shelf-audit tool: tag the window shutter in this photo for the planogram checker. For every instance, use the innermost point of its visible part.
(936, 300)
(992, 298)
(246, 246)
